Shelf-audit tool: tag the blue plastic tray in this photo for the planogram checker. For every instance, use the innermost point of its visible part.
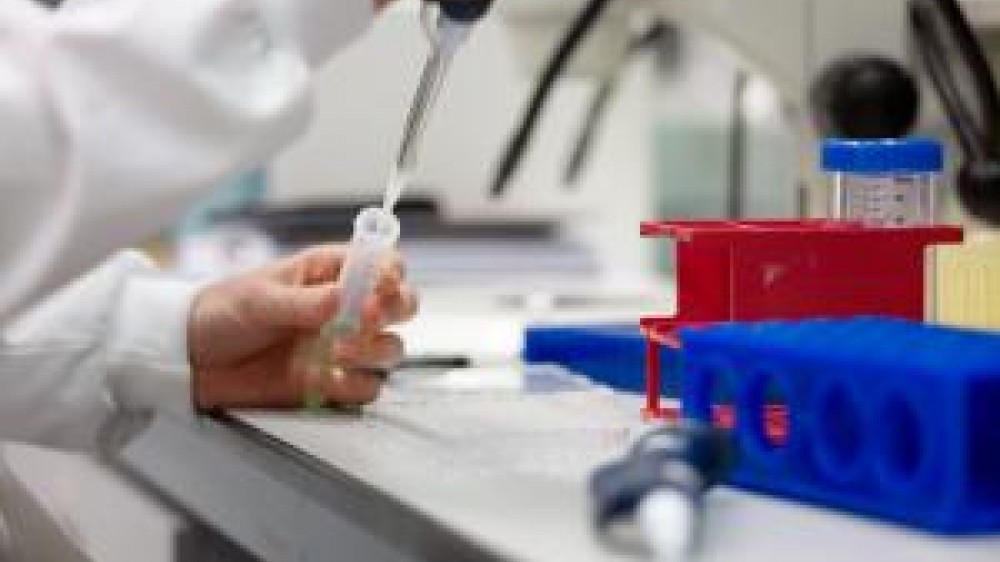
(888, 418)
(610, 354)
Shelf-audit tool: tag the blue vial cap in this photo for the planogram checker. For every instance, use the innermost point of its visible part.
(882, 156)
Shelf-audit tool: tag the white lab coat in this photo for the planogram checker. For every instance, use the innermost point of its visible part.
(115, 115)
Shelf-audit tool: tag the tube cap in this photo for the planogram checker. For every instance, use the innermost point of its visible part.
(882, 156)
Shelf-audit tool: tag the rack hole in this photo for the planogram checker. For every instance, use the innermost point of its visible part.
(722, 400)
(772, 416)
(839, 429)
(902, 446)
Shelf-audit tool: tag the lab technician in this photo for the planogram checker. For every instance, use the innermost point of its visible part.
(116, 115)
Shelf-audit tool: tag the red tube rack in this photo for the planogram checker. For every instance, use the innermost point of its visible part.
(787, 269)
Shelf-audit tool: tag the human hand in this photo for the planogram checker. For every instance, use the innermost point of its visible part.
(244, 333)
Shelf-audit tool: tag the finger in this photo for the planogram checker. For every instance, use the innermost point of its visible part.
(399, 306)
(323, 263)
(381, 311)
(277, 305)
(394, 265)
(381, 351)
(394, 298)
(352, 388)
(391, 278)
(316, 265)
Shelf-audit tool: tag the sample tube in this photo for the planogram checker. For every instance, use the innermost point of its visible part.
(375, 233)
(884, 182)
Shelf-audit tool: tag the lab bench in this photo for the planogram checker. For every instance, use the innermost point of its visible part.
(254, 480)
(343, 487)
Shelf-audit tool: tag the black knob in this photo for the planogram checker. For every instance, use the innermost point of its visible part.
(465, 10)
(864, 97)
(979, 190)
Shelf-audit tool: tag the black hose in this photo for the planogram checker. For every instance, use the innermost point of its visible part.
(932, 54)
(978, 66)
(654, 37)
(556, 65)
(585, 140)
(936, 22)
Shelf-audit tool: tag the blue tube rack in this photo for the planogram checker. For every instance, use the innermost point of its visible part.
(609, 354)
(892, 419)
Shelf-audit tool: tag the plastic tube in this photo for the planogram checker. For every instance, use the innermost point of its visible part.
(375, 233)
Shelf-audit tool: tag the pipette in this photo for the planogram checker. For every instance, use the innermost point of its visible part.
(660, 487)
(376, 229)
(453, 26)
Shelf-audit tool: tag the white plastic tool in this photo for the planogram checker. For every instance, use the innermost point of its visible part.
(376, 231)
(445, 37)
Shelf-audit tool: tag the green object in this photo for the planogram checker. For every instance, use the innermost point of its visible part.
(314, 402)
(234, 195)
(690, 164)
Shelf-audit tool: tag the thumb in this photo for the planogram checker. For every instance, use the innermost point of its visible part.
(294, 306)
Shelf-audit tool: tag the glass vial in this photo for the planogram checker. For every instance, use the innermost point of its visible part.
(884, 182)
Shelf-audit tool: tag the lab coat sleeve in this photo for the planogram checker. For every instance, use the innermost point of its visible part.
(119, 114)
(114, 339)
(116, 116)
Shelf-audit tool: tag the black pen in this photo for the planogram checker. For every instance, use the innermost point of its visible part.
(435, 362)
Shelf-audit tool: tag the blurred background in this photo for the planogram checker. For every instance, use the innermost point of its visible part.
(661, 148)
(651, 120)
